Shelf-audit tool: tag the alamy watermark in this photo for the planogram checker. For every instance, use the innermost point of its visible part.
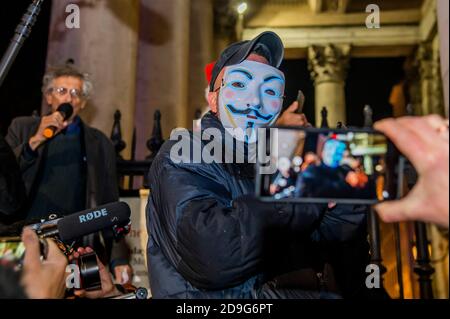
(373, 279)
(373, 19)
(73, 280)
(73, 17)
(215, 146)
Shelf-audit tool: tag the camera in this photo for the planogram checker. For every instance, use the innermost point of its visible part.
(12, 252)
(66, 232)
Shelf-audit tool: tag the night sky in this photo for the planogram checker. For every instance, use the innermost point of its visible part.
(20, 94)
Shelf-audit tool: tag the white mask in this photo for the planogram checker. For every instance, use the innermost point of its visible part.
(251, 96)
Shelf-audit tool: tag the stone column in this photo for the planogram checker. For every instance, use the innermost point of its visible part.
(163, 63)
(105, 46)
(425, 64)
(413, 85)
(200, 54)
(328, 65)
(438, 101)
(439, 255)
(442, 14)
(428, 62)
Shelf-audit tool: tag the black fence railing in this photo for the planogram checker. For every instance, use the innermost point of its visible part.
(133, 173)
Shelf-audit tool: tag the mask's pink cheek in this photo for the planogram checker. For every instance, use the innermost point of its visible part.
(275, 105)
(229, 94)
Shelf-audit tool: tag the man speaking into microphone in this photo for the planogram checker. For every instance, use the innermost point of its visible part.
(66, 165)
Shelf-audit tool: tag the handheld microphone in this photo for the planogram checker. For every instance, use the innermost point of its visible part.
(66, 110)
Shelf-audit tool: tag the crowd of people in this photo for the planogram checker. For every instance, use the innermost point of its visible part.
(209, 236)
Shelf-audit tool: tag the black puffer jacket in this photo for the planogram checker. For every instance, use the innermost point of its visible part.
(210, 238)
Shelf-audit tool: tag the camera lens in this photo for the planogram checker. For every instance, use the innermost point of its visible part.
(141, 293)
(89, 272)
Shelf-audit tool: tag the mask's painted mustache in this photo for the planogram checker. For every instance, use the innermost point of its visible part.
(248, 111)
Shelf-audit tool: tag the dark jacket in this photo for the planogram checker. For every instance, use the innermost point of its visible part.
(102, 184)
(210, 238)
(12, 190)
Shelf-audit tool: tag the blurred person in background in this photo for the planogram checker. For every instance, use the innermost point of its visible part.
(75, 169)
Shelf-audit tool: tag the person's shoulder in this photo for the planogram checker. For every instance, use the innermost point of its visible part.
(21, 128)
(164, 155)
(25, 121)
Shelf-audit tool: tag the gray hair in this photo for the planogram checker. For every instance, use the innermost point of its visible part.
(67, 70)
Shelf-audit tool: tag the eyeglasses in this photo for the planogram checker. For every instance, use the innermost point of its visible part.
(62, 91)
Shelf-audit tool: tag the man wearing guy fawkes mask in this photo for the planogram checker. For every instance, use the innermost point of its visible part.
(210, 238)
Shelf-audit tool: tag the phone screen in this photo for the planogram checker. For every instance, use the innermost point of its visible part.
(322, 165)
(11, 249)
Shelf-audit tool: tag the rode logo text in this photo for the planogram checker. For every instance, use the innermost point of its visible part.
(93, 215)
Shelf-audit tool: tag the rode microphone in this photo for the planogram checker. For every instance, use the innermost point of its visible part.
(113, 216)
(66, 110)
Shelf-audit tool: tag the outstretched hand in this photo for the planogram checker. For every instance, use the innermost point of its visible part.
(424, 141)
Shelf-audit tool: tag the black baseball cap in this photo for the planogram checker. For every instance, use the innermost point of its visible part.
(239, 51)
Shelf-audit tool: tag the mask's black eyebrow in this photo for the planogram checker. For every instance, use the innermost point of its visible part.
(273, 77)
(247, 74)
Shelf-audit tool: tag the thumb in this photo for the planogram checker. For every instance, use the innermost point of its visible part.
(293, 107)
(32, 258)
(394, 211)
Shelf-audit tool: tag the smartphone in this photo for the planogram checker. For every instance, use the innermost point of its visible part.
(12, 249)
(351, 166)
(301, 101)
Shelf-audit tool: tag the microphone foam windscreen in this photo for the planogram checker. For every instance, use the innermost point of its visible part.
(93, 220)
